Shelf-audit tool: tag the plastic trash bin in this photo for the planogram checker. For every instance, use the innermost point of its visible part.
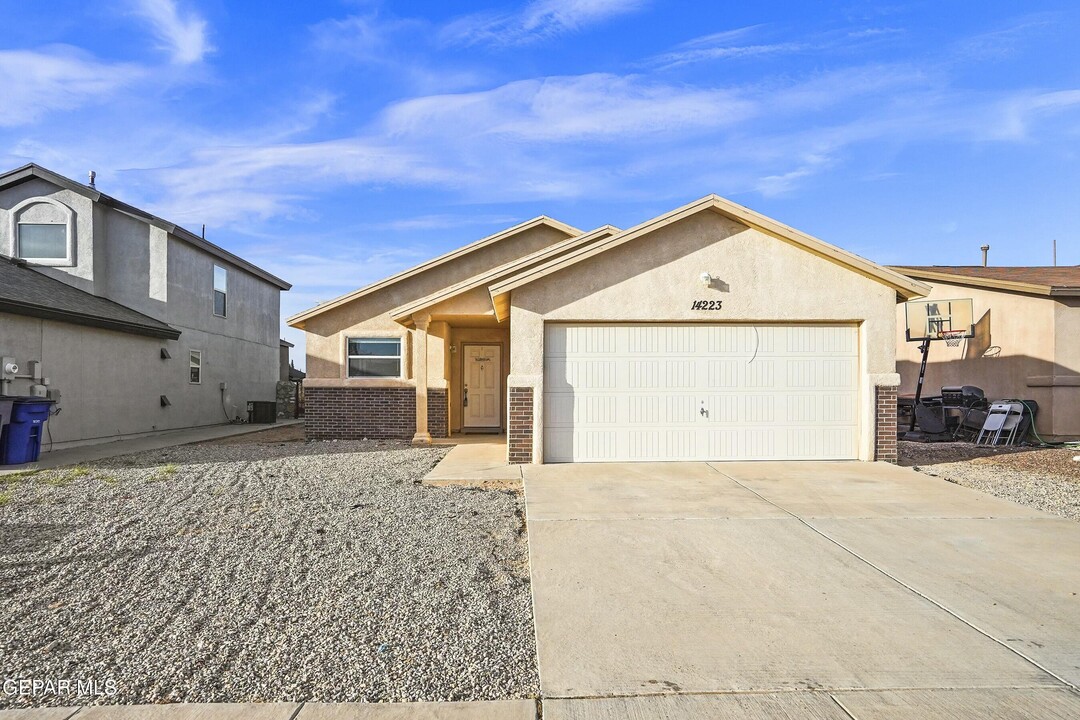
(5, 411)
(20, 439)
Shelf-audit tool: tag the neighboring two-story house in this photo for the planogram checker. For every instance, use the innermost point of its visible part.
(137, 324)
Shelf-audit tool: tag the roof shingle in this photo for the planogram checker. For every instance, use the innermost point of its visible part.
(25, 291)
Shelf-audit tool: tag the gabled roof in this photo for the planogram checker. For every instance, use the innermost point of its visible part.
(404, 313)
(299, 319)
(1053, 281)
(906, 288)
(32, 170)
(25, 291)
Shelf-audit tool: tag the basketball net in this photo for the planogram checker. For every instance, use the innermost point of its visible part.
(952, 338)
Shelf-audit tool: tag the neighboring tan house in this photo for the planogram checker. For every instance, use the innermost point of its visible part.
(1026, 344)
(139, 325)
(708, 333)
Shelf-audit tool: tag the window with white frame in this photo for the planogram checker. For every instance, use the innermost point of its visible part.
(221, 290)
(374, 357)
(195, 367)
(42, 241)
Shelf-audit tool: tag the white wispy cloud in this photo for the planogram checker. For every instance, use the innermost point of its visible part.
(360, 37)
(722, 45)
(569, 137)
(536, 21)
(183, 34)
(58, 77)
(1020, 112)
(595, 107)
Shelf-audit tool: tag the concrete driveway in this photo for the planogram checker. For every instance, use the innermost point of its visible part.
(778, 590)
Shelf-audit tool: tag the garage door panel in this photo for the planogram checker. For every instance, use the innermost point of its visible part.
(565, 375)
(576, 445)
(696, 392)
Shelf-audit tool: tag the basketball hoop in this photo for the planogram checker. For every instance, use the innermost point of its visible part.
(952, 338)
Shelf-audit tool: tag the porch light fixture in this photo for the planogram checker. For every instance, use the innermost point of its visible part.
(706, 279)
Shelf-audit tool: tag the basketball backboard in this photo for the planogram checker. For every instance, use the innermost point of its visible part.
(933, 319)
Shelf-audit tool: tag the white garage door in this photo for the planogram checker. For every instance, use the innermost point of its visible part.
(700, 392)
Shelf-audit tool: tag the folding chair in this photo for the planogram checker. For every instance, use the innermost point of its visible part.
(995, 421)
(1003, 418)
(1012, 422)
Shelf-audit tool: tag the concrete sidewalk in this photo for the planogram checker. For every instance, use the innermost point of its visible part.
(494, 710)
(141, 443)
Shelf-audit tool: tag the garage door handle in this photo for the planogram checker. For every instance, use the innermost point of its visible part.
(703, 411)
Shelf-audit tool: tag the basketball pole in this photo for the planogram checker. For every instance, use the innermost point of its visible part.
(922, 376)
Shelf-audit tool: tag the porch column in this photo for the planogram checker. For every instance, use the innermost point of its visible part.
(422, 436)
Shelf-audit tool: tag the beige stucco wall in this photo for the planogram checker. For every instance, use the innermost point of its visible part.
(1066, 411)
(369, 316)
(1039, 341)
(656, 278)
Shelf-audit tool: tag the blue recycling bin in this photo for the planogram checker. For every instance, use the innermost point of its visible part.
(20, 439)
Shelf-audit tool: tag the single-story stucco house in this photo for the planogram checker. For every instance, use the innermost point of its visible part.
(1026, 344)
(709, 332)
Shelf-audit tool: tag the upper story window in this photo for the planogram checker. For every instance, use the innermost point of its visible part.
(42, 241)
(221, 291)
(374, 357)
(42, 231)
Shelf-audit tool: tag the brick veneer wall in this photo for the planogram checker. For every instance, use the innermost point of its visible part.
(885, 425)
(438, 413)
(353, 413)
(519, 434)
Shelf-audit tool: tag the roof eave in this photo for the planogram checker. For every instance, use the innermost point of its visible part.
(299, 320)
(994, 284)
(46, 313)
(403, 314)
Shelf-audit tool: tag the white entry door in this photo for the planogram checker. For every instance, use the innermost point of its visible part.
(700, 392)
(483, 384)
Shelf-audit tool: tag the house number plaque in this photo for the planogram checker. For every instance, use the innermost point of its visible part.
(707, 305)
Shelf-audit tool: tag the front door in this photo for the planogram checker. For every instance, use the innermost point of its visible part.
(483, 372)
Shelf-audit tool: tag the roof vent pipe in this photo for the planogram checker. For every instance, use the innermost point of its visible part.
(93, 177)
(986, 250)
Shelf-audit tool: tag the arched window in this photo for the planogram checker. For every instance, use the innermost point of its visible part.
(43, 231)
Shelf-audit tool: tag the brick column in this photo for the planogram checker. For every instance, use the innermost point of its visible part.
(519, 431)
(885, 425)
(422, 436)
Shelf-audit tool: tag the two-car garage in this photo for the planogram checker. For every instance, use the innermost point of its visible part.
(700, 391)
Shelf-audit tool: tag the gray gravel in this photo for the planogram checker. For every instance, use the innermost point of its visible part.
(1047, 479)
(243, 573)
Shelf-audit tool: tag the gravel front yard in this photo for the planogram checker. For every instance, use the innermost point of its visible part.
(1043, 478)
(237, 572)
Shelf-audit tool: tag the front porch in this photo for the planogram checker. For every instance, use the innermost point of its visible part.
(465, 357)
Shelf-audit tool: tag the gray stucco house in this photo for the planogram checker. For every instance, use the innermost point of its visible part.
(138, 325)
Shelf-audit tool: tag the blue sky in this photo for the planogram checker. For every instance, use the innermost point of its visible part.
(336, 142)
